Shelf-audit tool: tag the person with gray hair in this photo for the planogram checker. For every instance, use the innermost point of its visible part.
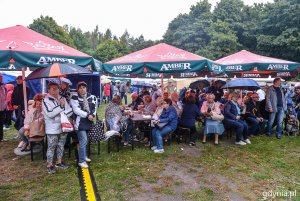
(276, 106)
(136, 101)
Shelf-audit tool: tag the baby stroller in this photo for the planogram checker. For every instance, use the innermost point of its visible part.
(291, 122)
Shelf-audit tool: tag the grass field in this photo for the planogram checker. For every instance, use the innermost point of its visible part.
(205, 172)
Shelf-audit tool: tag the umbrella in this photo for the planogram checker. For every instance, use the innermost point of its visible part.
(57, 70)
(246, 84)
(195, 84)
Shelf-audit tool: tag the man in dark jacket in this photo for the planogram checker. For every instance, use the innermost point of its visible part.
(253, 115)
(18, 95)
(136, 101)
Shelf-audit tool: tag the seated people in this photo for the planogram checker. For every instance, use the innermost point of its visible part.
(35, 113)
(136, 101)
(115, 120)
(149, 105)
(232, 118)
(189, 113)
(166, 124)
(212, 125)
(176, 103)
(165, 95)
(253, 116)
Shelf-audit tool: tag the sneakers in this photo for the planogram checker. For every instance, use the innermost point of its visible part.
(21, 144)
(247, 141)
(83, 165)
(240, 143)
(51, 169)
(126, 144)
(192, 144)
(159, 151)
(62, 165)
(87, 159)
(154, 148)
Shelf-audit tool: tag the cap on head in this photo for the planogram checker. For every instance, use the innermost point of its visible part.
(82, 83)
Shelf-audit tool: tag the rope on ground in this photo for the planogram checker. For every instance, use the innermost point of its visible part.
(88, 191)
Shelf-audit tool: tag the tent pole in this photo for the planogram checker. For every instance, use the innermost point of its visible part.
(24, 91)
(162, 83)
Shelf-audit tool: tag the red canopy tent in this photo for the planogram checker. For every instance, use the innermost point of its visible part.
(22, 47)
(248, 64)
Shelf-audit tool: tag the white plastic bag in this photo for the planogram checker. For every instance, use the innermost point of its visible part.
(66, 125)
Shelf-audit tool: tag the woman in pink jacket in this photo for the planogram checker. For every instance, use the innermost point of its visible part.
(10, 109)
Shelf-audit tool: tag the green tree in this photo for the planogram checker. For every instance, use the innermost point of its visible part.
(190, 31)
(48, 27)
(110, 49)
(223, 41)
(81, 41)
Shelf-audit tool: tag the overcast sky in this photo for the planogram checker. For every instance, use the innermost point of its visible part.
(147, 17)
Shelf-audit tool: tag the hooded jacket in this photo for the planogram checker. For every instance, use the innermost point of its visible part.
(52, 110)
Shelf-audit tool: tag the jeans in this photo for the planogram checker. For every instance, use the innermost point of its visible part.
(157, 135)
(7, 121)
(82, 138)
(22, 135)
(256, 126)
(279, 119)
(123, 94)
(240, 127)
(128, 131)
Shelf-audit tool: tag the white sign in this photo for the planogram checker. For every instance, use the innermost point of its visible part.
(175, 66)
(50, 60)
(121, 68)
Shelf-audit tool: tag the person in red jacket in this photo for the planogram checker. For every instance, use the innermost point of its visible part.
(107, 92)
(10, 109)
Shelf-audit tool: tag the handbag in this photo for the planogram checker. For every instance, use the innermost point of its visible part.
(66, 125)
(96, 131)
(160, 125)
(37, 128)
(217, 117)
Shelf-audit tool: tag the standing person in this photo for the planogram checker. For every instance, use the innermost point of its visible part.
(3, 106)
(155, 93)
(85, 107)
(10, 109)
(123, 92)
(276, 105)
(107, 92)
(17, 97)
(64, 89)
(53, 106)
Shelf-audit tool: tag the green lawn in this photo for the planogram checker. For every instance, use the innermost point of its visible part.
(205, 172)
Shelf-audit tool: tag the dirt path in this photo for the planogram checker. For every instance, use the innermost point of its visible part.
(180, 181)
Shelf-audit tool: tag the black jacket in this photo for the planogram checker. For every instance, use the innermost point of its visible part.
(253, 110)
(17, 97)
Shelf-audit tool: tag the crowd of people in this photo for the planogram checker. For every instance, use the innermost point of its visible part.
(248, 113)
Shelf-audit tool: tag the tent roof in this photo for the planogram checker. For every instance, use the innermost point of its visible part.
(246, 57)
(19, 38)
(161, 52)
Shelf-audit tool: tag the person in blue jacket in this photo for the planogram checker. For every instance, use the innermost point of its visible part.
(232, 118)
(166, 124)
(189, 114)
